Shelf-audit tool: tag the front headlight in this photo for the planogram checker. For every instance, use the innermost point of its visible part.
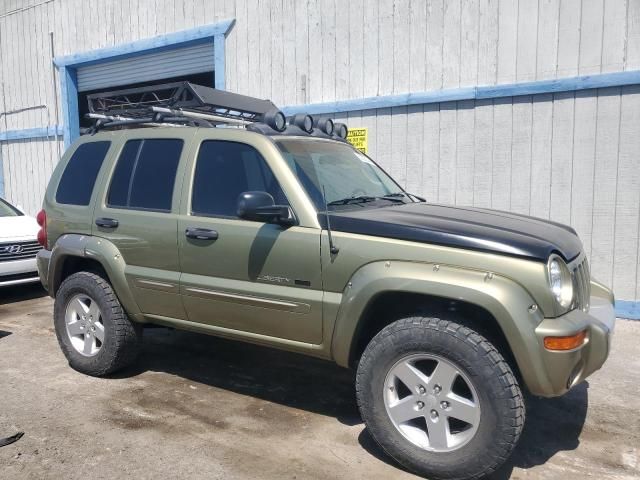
(560, 281)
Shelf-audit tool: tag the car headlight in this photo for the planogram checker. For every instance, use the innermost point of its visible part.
(560, 281)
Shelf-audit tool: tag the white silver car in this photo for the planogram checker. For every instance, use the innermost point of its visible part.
(18, 246)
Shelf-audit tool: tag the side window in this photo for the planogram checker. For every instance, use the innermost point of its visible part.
(223, 171)
(145, 174)
(79, 177)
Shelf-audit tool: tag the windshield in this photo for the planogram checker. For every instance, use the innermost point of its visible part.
(350, 178)
(7, 210)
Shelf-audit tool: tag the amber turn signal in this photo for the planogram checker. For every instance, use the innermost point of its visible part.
(565, 343)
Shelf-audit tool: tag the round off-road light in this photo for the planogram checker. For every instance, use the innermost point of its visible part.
(303, 122)
(325, 124)
(276, 120)
(341, 130)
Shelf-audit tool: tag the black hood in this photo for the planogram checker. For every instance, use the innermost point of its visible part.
(464, 227)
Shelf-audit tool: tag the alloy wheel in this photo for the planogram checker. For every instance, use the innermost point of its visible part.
(431, 402)
(83, 320)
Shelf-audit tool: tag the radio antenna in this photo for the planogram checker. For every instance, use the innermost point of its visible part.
(332, 247)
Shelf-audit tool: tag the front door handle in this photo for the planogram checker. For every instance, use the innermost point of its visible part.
(107, 222)
(201, 233)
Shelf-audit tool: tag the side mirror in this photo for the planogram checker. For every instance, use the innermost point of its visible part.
(261, 207)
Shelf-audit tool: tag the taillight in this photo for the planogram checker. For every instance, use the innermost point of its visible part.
(41, 218)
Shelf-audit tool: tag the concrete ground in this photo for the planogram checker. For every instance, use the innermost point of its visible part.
(201, 407)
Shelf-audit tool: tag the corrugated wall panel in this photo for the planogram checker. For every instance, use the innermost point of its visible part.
(27, 166)
(144, 68)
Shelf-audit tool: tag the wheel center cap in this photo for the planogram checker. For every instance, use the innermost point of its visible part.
(431, 401)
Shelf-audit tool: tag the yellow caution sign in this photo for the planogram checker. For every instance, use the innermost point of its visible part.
(358, 138)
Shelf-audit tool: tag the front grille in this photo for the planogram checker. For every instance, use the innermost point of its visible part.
(582, 285)
(18, 250)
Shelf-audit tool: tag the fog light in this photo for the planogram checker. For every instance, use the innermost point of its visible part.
(565, 343)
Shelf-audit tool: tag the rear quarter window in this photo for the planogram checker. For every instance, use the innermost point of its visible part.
(145, 175)
(79, 176)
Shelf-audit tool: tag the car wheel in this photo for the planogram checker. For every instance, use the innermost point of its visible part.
(439, 398)
(93, 330)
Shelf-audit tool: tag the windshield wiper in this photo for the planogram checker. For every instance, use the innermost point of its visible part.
(406, 194)
(348, 200)
(366, 198)
(394, 197)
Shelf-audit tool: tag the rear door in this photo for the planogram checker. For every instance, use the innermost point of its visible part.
(249, 277)
(138, 213)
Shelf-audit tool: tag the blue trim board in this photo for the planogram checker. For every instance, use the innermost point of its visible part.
(584, 82)
(628, 309)
(181, 38)
(68, 65)
(70, 115)
(69, 91)
(29, 133)
(219, 61)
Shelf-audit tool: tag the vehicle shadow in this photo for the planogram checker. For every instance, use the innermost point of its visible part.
(276, 376)
(21, 293)
(321, 387)
(553, 425)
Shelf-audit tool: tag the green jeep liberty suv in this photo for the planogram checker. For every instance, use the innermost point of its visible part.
(283, 234)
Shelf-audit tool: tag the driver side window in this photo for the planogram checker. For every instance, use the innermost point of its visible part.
(223, 171)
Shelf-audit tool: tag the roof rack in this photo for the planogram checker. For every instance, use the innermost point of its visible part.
(187, 104)
(177, 103)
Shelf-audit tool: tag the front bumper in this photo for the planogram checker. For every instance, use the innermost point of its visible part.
(564, 369)
(16, 272)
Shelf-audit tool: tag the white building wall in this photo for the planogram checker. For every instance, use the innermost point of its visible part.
(572, 157)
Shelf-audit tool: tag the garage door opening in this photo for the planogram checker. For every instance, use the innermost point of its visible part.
(194, 63)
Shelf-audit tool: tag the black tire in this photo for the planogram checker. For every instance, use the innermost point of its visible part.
(500, 398)
(122, 337)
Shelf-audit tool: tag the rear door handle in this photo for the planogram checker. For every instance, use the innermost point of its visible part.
(201, 233)
(107, 222)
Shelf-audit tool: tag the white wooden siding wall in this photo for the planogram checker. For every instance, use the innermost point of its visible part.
(27, 165)
(571, 157)
(454, 153)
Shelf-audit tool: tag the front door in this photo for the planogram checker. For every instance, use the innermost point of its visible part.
(241, 276)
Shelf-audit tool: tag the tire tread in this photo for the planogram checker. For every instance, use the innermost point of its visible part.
(512, 392)
(127, 335)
